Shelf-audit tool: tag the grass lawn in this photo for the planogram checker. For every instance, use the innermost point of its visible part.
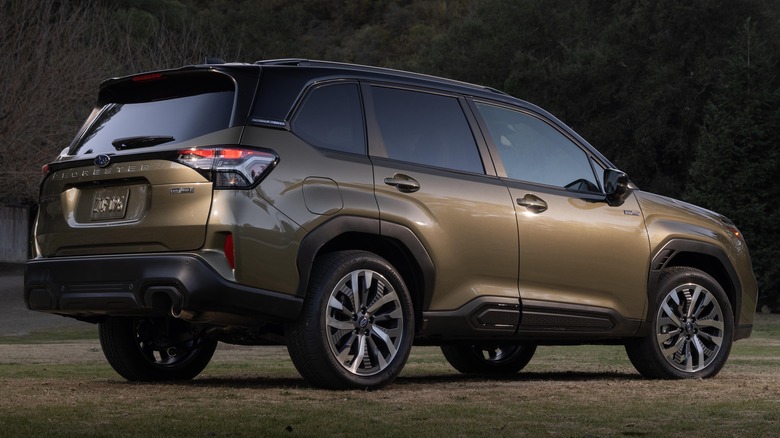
(59, 384)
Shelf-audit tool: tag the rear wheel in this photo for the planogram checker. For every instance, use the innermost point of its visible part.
(692, 328)
(154, 349)
(357, 323)
(495, 359)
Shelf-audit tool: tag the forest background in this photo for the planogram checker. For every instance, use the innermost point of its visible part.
(684, 96)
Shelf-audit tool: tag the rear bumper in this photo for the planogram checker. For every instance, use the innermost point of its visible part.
(95, 286)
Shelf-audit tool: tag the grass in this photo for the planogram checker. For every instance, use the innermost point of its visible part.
(82, 332)
(65, 388)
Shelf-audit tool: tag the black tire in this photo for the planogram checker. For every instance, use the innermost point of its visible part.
(339, 343)
(692, 328)
(154, 349)
(489, 359)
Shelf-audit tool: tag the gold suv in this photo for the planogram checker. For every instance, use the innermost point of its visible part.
(350, 212)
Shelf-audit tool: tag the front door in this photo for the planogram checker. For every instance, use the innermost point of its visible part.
(582, 263)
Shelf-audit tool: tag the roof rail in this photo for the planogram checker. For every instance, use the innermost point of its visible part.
(283, 61)
(367, 68)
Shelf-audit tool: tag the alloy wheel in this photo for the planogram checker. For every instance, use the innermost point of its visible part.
(689, 327)
(364, 322)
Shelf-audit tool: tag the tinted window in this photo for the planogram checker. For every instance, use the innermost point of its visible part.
(157, 109)
(599, 170)
(331, 117)
(280, 88)
(532, 150)
(426, 129)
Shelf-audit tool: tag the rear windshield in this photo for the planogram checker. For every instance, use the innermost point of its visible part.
(159, 110)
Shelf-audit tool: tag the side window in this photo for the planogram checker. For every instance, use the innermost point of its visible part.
(331, 117)
(599, 170)
(532, 150)
(425, 128)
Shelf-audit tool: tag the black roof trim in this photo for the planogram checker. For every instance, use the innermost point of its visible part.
(301, 62)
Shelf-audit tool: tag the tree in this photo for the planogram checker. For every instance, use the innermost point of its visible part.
(738, 155)
(631, 76)
(48, 77)
(55, 56)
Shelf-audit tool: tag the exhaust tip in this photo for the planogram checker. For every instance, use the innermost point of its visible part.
(180, 313)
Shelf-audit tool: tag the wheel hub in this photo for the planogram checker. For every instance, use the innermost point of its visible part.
(690, 327)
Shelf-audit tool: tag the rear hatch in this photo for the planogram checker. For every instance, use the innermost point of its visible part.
(123, 186)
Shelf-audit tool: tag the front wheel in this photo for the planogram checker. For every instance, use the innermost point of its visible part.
(154, 349)
(489, 359)
(356, 326)
(692, 328)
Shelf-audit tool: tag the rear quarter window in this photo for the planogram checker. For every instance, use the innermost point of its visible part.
(331, 117)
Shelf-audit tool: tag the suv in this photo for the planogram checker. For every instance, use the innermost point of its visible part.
(350, 212)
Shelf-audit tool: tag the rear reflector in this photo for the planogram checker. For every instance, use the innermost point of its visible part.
(230, 253)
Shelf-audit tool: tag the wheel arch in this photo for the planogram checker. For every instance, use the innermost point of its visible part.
(704, 256)
(396, 243)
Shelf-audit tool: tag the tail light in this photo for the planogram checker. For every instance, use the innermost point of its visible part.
(230, 167)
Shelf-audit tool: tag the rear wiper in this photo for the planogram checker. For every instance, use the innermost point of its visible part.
(141, 141)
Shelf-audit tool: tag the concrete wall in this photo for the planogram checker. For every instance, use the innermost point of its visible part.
(14, 234)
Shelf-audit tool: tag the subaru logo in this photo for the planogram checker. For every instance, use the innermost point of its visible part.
(102, 160)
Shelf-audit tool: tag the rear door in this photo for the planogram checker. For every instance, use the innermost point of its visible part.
(430, 178)
(119, 188)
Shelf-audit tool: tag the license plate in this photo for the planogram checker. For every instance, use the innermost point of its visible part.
(109, 204)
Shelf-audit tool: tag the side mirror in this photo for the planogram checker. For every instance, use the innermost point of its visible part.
(616, 186)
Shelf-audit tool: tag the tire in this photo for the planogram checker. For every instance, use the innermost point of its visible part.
(691, 331)
(356, 326)
(154, 349)
(489, 359)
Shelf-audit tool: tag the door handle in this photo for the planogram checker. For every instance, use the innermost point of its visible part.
(533, 203)
(403, 183)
